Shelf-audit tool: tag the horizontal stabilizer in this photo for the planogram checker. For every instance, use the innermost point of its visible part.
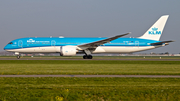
(160, 43)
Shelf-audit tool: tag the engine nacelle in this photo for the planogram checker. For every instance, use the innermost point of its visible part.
(68, 50)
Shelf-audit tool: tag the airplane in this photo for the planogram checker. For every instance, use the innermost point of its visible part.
(70, 46)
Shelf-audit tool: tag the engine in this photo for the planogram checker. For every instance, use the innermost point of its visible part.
(68, 50)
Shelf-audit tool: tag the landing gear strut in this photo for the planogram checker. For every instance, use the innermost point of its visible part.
(87, 54)
(18, 56)
(87, 57)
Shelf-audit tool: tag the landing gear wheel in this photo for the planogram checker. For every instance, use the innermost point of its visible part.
(18, 56)
(87, 57)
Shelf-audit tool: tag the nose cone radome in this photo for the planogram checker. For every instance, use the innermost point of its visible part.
(5, 48)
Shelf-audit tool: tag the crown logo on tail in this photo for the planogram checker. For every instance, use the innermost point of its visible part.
(154, 31)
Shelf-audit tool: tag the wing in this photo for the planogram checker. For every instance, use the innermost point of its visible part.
(160, 43)
(101, 42)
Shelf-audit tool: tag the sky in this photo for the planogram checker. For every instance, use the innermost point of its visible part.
(88, 18)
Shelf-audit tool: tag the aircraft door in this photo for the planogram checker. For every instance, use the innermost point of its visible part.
(137, 43)
(20, 43)
(53, 43)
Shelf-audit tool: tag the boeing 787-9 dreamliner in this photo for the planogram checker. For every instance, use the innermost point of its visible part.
(70, 46)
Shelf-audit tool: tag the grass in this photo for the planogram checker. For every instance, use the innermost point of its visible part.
(90, 89)
(92, 67)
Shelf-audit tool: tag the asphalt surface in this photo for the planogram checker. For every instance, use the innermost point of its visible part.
(145, 59)
(86, 76)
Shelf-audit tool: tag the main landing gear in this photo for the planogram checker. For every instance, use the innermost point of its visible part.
(87, 54)
(87, 57)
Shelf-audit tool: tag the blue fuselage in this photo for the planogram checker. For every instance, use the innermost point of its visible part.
(44, 42)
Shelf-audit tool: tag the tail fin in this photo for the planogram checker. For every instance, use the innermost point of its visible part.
(155, 31)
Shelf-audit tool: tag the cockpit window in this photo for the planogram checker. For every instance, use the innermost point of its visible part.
(10, 43)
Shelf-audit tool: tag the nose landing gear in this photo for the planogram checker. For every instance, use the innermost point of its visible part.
(18, 56)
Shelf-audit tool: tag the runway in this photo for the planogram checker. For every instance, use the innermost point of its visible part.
(90, 59)
(93, 76)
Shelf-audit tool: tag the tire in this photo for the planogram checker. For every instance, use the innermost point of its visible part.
(18, 57)
(89, 56)
(85, 57)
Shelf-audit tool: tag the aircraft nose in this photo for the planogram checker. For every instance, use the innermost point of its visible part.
(5, 47)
